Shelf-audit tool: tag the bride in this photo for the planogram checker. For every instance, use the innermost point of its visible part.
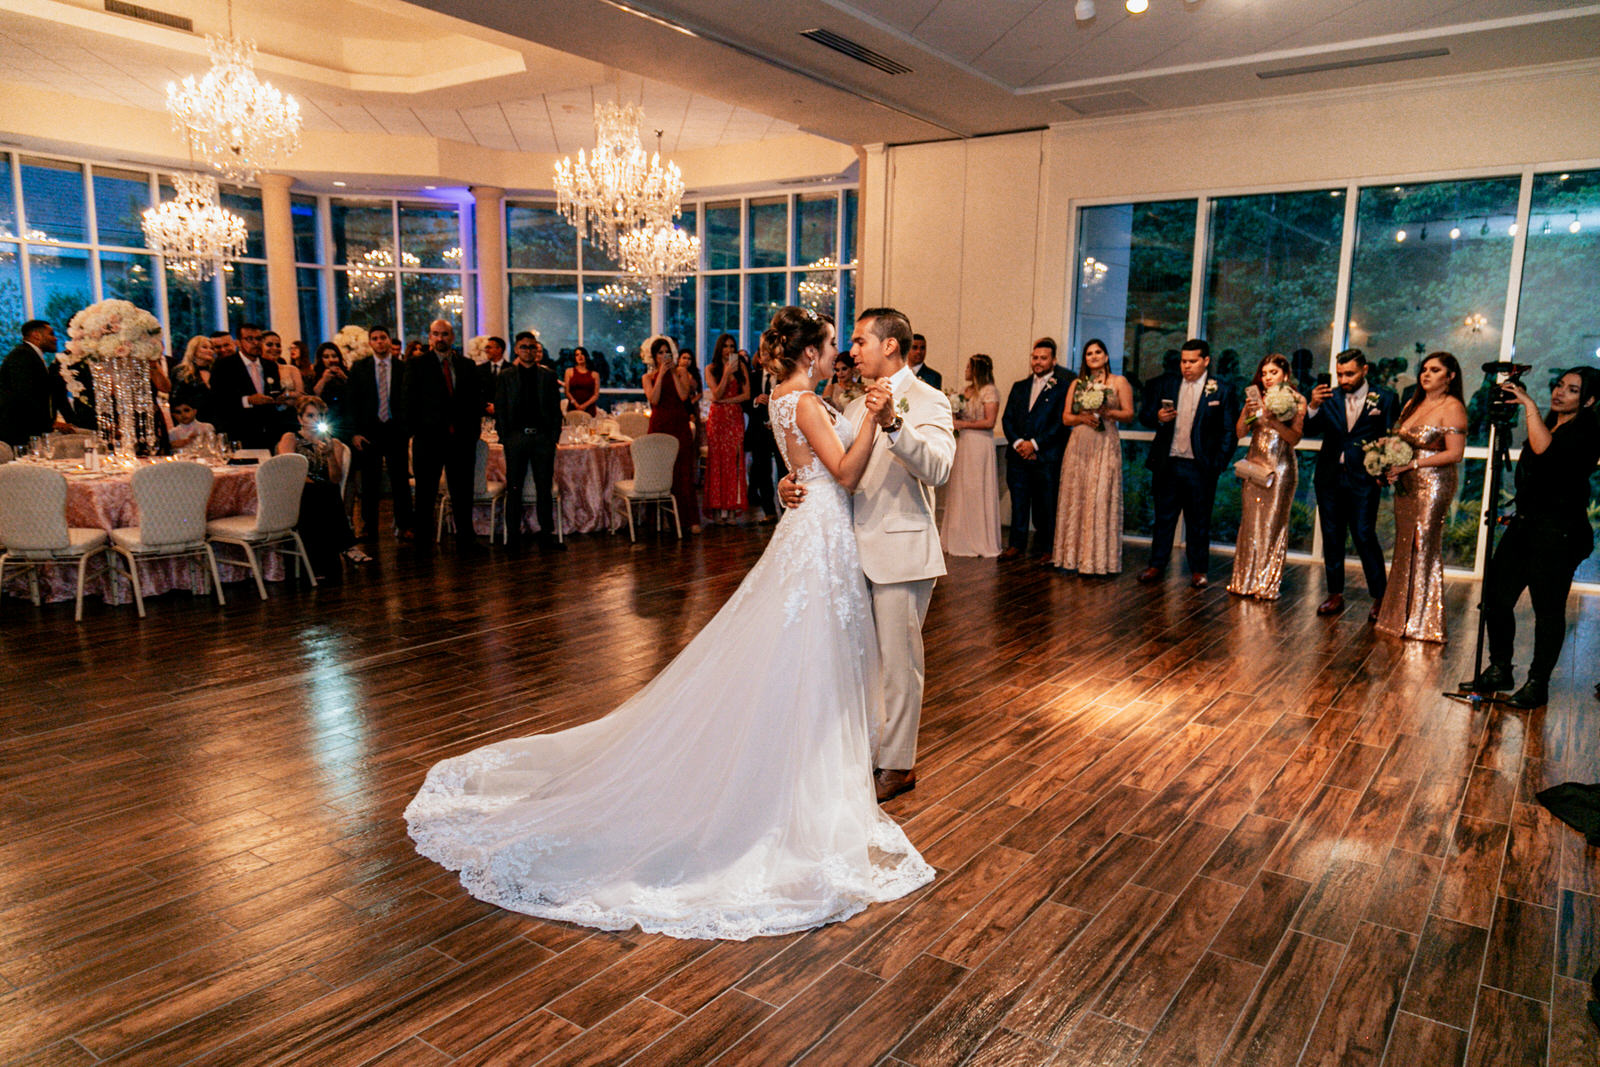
(713, 803)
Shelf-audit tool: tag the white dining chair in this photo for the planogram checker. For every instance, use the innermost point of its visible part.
(530, 497)
(653, 456)
(633, 423)
(171, 498)
(577, 417)
(34, 530)
(279, 482)
(483, 492)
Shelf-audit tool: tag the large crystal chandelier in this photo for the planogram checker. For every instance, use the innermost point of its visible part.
(660, 255)
(192, 231)
(239, 124)
(616, 188)
(623, 293)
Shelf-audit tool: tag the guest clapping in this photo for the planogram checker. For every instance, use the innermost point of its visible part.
(1033, 429)
(1548, 537)
(1089, 503)
(1434, 423)
(323, 526)
(1193, 415)
(1273, 418)
(971, 524)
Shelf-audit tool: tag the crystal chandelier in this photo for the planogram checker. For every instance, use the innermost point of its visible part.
(660, 255)
(374, 272)
(616, 189)
(622, 293)
(239, 124)
(821, 286)
(192, 231)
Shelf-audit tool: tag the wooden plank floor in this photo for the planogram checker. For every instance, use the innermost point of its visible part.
(1170, 828)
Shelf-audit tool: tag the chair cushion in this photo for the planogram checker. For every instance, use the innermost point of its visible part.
(80, 540)
(128, 537)
(624, 488)
(235, 528)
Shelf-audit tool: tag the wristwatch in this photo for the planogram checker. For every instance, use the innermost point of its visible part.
(894, 427)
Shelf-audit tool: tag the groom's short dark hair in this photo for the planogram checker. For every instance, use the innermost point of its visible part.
(887, 323)
(1352, 355)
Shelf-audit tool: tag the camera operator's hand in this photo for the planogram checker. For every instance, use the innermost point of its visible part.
(1514, 391)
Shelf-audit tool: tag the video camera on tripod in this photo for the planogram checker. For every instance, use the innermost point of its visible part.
(1503, 409)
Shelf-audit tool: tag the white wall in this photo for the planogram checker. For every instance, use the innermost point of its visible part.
(973, 235)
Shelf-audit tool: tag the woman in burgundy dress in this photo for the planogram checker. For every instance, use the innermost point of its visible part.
(730, 388)
(583, 384)
(666, 389)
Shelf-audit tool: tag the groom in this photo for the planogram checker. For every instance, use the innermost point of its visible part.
(895, 529)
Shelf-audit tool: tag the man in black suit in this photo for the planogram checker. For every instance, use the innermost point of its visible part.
(916, 359)
(527, 407)
(1347, 496)
(246, 394)
(1193, 415)
(33, 395)
(495, 365)
(444, 412)
(377, 406)
(763, 446)
(1032, 425)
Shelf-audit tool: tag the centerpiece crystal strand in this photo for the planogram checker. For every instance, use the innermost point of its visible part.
(616, 188)
(192, 231)
(116, 341)
(239, 124)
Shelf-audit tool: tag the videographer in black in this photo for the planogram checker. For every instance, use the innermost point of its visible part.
(1548, 537)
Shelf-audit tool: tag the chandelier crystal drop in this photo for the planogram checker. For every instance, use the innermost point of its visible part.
(616, 188)
(661, 255)
(192, 231)
(238, 124)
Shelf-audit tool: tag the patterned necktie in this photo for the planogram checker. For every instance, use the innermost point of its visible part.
(383, 390)
(449, 381)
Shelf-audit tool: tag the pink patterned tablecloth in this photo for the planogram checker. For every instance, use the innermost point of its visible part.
(107, 503)
(584, 474)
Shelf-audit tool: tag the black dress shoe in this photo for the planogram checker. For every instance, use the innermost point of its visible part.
(1495, 678)
(1533, 694)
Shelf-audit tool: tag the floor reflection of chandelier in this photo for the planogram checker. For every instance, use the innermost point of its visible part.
(616, 188)
(192, 231)
(661, 255)
(239, 124)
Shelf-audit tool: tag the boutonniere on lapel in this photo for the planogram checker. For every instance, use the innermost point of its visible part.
(1211, 386)
(902, 405)
(1371, 403)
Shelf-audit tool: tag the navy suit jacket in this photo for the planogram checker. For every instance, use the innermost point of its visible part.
(1211, 438)
(1341, 440)
(928, 374)
(32, 394)
(362, 396)
(257, 427)
(1040, 424)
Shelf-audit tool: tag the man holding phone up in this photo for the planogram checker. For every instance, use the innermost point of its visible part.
(1347, 496)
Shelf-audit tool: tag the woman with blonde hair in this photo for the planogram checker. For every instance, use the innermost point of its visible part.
(971, 524)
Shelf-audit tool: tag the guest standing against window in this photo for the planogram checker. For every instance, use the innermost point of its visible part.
(582, 384)
(971, 524)
(1089, 504)
(1434, 423)
(1264, 509)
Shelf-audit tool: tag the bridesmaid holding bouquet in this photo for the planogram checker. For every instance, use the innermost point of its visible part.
(1274, 418)
(1089, 503)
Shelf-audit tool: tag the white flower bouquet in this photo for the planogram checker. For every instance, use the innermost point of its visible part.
(1385, 452)
(353, 342)
(476, 349)
(1091, 398)
(1281, 403)
(111, 329)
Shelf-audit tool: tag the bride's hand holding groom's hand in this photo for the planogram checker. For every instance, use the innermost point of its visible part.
(880, 404)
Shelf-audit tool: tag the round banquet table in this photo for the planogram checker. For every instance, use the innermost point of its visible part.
(584, 475)
(105, 501)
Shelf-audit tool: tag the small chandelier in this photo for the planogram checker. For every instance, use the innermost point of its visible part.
(622, 293)
(821, 286)
(374, 271)
(660, 255)
(239, 124)
(192, 231)
(616, 189)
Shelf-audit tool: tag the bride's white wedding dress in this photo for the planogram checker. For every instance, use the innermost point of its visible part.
(732, 796)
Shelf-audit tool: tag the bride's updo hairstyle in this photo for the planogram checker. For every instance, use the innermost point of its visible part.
(791, 332)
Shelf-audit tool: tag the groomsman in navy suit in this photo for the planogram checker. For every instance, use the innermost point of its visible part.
(1347, 496)
(1032, 425)
(1193, 415)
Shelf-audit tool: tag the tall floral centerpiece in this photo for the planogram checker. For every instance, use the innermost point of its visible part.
(117, 341)
(353, 342)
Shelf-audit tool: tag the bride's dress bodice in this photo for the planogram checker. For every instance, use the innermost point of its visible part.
(714, 802)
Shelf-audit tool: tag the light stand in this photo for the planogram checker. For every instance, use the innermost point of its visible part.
(1499, 456)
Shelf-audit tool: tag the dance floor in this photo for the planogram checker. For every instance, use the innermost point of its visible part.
(1170, 828)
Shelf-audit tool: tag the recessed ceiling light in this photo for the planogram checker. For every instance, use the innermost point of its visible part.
(430, 187)
(339, 184)
(1083, 10)
(1137, 7)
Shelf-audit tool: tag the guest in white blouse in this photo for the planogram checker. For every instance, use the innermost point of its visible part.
(971, 524)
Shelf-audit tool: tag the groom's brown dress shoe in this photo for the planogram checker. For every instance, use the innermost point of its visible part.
(891, 784)
(1332, 606)
(1148, 575)
(1199, 581)
(1010, 552)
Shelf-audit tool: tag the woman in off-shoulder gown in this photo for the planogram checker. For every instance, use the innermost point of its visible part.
(713, 803)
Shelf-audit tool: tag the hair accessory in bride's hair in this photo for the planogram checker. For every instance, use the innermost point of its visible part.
(812, 315)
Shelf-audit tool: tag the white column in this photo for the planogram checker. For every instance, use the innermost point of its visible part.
(277, 223)
(491, 248)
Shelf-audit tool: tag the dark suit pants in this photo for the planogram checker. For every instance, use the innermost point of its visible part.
(386, 450)
(1032, 484)
(763, 450)
(526, 452)
(1183, 487)
(428, 459)
(1343, 510)
(1532, 556)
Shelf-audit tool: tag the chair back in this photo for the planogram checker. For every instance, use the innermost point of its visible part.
(172, 503)
(342, 450)
(480, 470)
(68, 445)
(33, 508)
(279, 482)
(653, 456)
(633, 423)
(577, 417)
(6, 455)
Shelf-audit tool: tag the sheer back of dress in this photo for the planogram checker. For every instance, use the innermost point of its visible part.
(798, 455)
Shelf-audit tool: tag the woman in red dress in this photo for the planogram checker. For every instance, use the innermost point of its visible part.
(730, 388)
(583, 384)
(666, 389)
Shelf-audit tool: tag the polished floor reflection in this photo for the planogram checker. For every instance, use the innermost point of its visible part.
(1171, 827)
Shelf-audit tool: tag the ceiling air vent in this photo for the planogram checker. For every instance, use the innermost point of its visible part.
(1104, 103)
(1350, 64)
(149, 14)
(858, 52)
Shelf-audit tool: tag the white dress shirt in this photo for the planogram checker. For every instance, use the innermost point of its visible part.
(1189, 394)
(254, 367)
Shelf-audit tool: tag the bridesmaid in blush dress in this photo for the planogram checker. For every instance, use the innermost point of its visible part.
(1089, 504)
(1434, 423)
(667, 389)
(971, 524)
(1264, 512)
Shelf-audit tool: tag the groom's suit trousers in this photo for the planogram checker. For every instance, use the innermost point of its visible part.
(898, 609)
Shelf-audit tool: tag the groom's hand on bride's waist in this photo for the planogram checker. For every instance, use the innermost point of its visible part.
(790, 491)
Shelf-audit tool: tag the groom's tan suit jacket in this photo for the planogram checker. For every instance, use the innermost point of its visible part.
(898, 541)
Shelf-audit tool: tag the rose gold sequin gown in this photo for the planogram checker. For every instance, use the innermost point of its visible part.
(1089, 503)
(1413, 605)
(1264, 519)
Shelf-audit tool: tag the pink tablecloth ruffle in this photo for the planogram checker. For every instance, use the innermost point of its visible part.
(584, 474)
